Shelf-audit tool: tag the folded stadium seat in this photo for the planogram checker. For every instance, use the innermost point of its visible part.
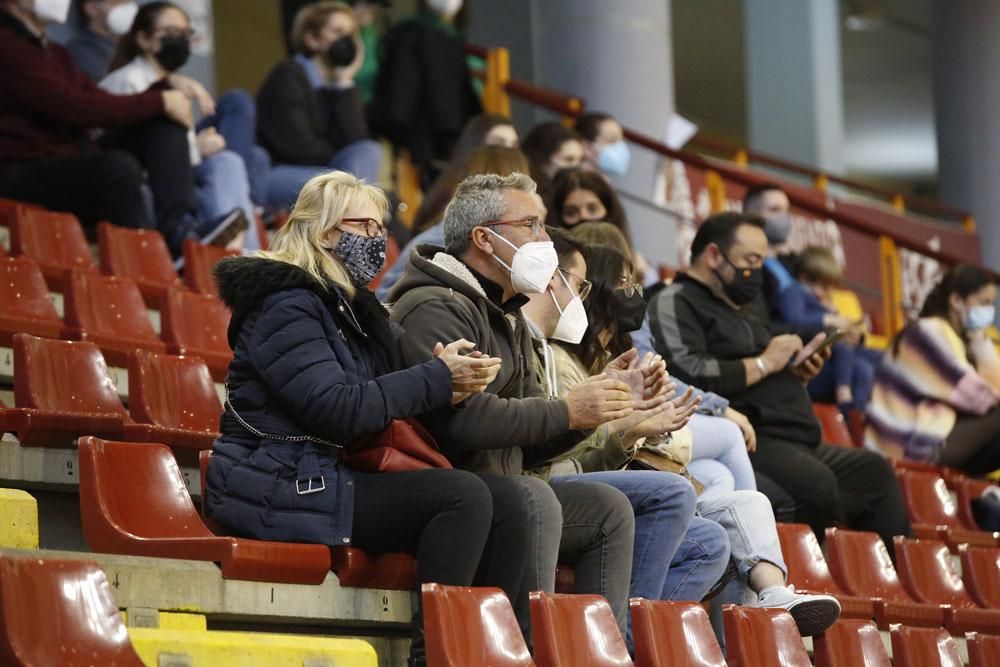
(133, 501)
(967, 489)
(198, 262)
(673, 634)
(835, 430)
(983, 649)
(139, 254)
(933, 512)
(55, 241)
(951, 476)
(861, 566)
(809, 573)
(109, 311)
(923, 647)
(196, 324)
(927, 573)
(391, 255)
(762, 636)
(850, 642)
(59, 612)
(570, 630)
(981, 574)
(471, 626)
(25, 303)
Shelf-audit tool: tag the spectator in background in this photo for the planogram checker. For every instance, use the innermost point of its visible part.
(47, 109)
(935, 397)
(498, 160)
(604, 144)
(310, 116)
(709, 338)
(424, 94)
(551, 147)
(102, 22)
(156, 45)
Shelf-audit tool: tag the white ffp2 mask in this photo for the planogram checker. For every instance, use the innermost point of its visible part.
(572, 322)
(51, 11)
(120, 18)
(532, 266)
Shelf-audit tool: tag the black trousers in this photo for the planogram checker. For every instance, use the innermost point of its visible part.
(835, 484)
(94, 186)
(973, 446)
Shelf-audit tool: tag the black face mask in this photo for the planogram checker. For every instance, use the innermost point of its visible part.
(174, 52)
(342, 52)
(745, 285)
(631, 310)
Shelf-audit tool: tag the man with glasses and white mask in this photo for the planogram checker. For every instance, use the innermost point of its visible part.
(497, 252)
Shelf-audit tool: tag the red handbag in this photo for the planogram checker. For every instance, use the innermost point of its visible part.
(403, 445)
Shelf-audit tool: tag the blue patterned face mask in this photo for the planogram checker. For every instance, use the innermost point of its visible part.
(362, 256)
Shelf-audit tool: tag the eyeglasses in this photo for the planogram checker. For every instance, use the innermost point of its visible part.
(533, 221)
(373, 228)
(629, 286)
(584, 285)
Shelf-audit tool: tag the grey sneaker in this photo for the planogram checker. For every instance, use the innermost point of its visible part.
(812, 613)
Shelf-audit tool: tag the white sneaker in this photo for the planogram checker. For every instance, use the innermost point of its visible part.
(812, 613)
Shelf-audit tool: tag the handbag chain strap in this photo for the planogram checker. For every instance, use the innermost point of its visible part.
(271, 436)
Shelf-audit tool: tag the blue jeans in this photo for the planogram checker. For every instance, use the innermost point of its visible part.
(235, 119)
(362, 158)
(848, 366)
(719, 458)
(221, 185)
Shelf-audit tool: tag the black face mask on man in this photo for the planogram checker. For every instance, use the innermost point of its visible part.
(342, 52)
(174, 51)
(745, 285)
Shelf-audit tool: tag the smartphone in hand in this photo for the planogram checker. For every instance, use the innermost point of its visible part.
(820, 342)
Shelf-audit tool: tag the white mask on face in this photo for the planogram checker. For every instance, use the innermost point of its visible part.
(446, 7)
(532, 266)
(51, 11)
(120, 18)
(572, 322)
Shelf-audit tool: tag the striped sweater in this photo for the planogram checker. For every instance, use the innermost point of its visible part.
(922, 386)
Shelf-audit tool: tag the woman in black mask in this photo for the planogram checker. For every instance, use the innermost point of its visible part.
(310, 115)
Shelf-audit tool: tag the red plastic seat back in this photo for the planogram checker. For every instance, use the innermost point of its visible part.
(926, 569)
(983, 649)
(861, 565)
(762, 636)
(171, 391)
(137, 488)
(570, 630)
(140, 254)
(198, 262)
(835, 430)
(850, 642)
(981, 572)
(60, 612)
(807, 568)
(678, 634)
(927, 498)
(195, 322)
(62, 376)
(54, 240)
(471, 626)
(108, 306)
(25, 302)
(967, 489)
(920, 647)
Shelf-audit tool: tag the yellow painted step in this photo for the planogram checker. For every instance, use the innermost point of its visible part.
(18, 520)
(186, 648)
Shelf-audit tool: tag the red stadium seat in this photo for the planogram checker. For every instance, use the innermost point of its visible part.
(983, 649)
(471, 626)
(762, 636)
(196, 324)
(109, 311)
(862, 567)
(673, 634)
(25, 303)
(60, 612)
(139, 254)
(850, 642)
(198, 262)
(923, 647)
(835, 430)
(265, 242)
(133, 500)
(951, 476)
(981, 574)
(933, 512)
(928, 575)
(570, 630)
(809, 573)
(55, 241)
(968, 488)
